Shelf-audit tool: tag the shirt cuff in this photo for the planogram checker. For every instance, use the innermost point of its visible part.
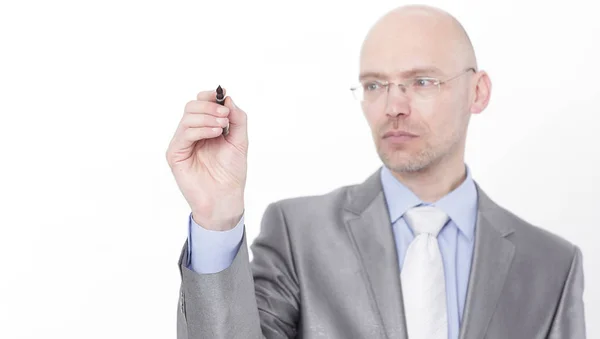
(212, 251)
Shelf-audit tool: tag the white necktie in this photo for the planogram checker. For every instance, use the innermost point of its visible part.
(422, 276)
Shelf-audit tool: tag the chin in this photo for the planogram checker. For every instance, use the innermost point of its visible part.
(401, 161)
(408, 167)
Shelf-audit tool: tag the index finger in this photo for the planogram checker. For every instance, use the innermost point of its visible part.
(210, 95)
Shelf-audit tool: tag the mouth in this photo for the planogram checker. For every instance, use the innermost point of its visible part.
(398, 136)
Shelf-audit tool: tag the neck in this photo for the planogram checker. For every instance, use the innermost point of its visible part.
(434, 182)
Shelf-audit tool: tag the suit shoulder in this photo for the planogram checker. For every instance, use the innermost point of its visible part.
(536, 238)
(315, 205)
(337, 195)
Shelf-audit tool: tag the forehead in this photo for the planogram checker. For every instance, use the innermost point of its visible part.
(394, 48)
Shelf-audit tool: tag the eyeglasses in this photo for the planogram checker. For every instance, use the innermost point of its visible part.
(421, 87)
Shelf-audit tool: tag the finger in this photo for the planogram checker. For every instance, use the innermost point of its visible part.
(206, 107)
(184, 140)
(210, 95)
(202, 120)
(238, 132)
(191, 135)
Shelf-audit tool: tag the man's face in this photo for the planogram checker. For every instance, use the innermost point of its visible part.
(440, 122)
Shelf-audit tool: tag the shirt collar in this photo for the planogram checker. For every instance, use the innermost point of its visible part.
(460, 205)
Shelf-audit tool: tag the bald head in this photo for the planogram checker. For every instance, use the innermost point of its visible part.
(416, 36)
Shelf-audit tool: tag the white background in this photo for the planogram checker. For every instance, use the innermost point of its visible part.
(91, 220)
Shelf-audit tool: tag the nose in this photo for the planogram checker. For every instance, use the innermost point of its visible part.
(397, 102)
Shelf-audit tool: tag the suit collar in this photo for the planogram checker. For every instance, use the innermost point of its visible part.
(360, 196)
(491, 211)
(460, 204)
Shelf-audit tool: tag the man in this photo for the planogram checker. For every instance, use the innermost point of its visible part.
(418, 250)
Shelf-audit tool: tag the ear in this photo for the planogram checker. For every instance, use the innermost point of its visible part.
(482, 92)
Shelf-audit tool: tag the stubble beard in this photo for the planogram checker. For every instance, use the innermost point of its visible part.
(400, 161)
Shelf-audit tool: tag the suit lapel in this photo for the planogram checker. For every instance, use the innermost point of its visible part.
(368, 224)
(492, 256)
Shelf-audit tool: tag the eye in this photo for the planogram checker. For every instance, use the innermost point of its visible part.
(424, 82)
(371, 86)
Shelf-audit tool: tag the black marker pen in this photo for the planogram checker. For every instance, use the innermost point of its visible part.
(221, 101)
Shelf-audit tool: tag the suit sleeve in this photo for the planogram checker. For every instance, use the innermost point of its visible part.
(569, 320)
(258, 299)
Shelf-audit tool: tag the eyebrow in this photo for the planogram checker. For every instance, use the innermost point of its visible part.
(405, 74)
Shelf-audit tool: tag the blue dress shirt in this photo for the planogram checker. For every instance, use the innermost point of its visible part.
(456, 238)
(214, 251)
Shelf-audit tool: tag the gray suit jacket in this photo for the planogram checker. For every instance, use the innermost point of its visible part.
(326, 267)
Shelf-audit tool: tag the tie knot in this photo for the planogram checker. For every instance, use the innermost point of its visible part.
(426, 219)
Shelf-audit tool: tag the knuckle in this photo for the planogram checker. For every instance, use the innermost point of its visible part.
(185, 121)
(192, 120)
(203, 95)
(169, 157)
(189, 105)
(189, 134)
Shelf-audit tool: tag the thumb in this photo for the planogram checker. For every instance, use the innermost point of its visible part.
(238, 128)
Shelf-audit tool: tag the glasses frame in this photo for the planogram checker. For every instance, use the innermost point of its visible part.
(404, 85)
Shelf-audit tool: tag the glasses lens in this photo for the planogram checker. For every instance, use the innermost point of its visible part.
(425, 87)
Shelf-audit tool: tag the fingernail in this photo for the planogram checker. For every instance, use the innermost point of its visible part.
(232, 103)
